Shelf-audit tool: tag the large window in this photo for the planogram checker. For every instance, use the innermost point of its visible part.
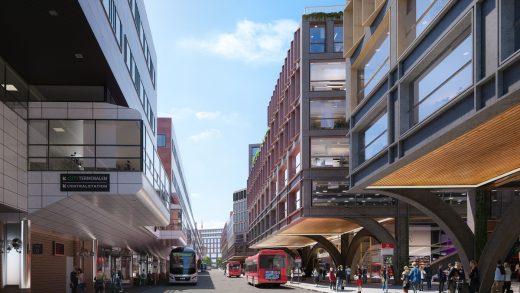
(328, 193)
(328, 114)
(329, 152)
(161, 140)
(84, 145)
(338, 38)
(449, 76)
(375, 68)
(425, 12)
(115, 21)
(317, 38)
(510, 27)
(375, 137)
(328, 76)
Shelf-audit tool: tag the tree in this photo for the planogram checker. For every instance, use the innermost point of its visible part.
(207, 260)
(220, 263)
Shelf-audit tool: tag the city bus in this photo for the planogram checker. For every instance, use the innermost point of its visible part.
(267, 267)
(183, 266)
(233, 269)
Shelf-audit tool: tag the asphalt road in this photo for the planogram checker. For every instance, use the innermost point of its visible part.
(215, 281)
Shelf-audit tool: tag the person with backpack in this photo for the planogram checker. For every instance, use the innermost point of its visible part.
(99, 282)
(500, 276)
(415, 277)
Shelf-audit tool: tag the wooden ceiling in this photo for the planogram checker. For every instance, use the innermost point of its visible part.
(488, 151)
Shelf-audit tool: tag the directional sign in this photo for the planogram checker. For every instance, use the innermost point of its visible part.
(85, 182)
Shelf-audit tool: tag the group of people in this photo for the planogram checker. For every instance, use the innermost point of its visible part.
(77, 281)
(338, 278)
(116, 282)
(502, 280)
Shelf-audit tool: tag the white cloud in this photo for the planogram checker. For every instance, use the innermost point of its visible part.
(207, 115)
(205, 135)
(251, 41)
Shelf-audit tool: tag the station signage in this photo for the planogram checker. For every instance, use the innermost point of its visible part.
(85, 182)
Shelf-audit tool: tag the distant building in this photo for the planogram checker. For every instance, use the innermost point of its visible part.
(211, 243)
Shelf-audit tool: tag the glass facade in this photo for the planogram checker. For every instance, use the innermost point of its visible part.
(425, 12)
(375, 137)
(328, 76)
(444, 80)
(317, 38)
(375, 68)
(510, 27)
(161, 140)
(329, 152)
(338, 38)
(328, 114)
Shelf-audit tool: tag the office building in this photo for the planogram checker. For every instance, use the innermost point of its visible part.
(211, 243)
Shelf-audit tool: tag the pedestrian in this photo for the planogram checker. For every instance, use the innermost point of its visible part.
(81, 281)
(142, 279)
(340, 278)
(442, 278)
(348, 272)
(428, 270)
(73, 281)
(461, 279)
(359, 280)
(415, 277)
(453, 275)
(507, 279)
(332, 279)
(500, 276)
(365, 275)
(423, 277)
(316, 276)
(99, 282)
(474, 277)
(405, 277)
(384, 279)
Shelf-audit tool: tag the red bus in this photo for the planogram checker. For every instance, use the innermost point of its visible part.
(267, 267)
(233, 269)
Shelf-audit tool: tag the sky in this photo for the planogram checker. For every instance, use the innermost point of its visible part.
(217, 65)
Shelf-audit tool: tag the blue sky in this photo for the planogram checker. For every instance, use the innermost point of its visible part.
(218, 62)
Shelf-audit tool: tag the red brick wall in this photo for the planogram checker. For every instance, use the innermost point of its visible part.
(48, 270)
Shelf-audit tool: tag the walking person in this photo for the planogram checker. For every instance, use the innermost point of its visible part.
(442, 278)
(461, 277)
(142, 279)
(73, 281)
(316, 277)
(500, 276)
(332, 279)
(507, 279)
(415, 277)
(474, 277)
(81, 281)
(423, 277)
(384, 279)
(99, 282)
(340, 278)
(405, 277)
(359, 280)
(365, 275)
(348, 272)
(428, 270)
(453, 275)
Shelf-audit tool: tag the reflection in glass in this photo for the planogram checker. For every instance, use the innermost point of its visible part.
(375, 138)
(445, 80)
(71, 132)
(425, 12)
(317, 39)
(510, 28)
(71, 164)
(375, 68)
(38, 132)
(328, 76)
(338, 38)
(118, 132)
(71, 151)
(328, 114)
(329, 152)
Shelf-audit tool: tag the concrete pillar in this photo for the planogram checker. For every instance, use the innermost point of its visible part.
(344, 247)
(401, 250)
(482, 210)
(25, 266)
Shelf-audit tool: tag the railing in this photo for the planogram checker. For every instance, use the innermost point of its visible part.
(323, 9)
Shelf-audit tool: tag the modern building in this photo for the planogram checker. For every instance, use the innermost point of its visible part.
(182, 230)
(433, 105)
(81, 182)
(299, 190)
(211, 243)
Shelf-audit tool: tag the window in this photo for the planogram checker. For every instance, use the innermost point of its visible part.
(449, 76)
(114, 20)
(329, 152)
(161, 140)
(317, 38)
(425, 12)
(338, 38)
(297, 200)
(63, 132)
(328, 114)
(510, 27)
(375, 68)
(329, 76)
(298, 162)
(329, 193)
(375, 138)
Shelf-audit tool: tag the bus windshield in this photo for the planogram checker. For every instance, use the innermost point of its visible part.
(272, 261)
(234, 266)
(182, 263)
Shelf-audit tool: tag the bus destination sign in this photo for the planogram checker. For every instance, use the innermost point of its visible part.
(85, 182)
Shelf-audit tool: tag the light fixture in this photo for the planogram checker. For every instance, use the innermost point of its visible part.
(53, 13)
(10, 87)
(78, 56)
(58, 129)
